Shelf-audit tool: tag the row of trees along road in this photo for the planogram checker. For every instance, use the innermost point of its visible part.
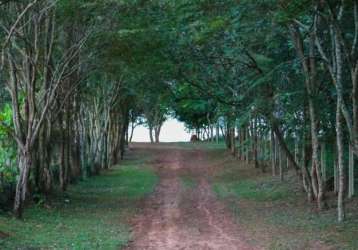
(277, 78)
(282, 77)
(70, 86)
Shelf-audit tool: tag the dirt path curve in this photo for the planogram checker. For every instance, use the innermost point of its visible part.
(182, 216)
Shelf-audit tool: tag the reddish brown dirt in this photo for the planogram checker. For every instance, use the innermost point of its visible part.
(180, 217)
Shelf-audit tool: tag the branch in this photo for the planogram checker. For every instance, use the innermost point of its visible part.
(13, 27)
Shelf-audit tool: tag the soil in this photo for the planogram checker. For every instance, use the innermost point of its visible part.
(178, 216)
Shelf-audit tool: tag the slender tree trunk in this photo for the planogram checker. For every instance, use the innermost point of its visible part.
(238, 153)
(132, 132)
(212, 138)
(304, 166)
(76, 151)
(242, 143)
(280, 164)
(335, 172)
(309, 69)
(283, 146)
(45, 151)
(217, 131)
(151, 134)
(354, 76)
(62, 177)
(255, 141)
(232, 140)
(323, 162)
(351, 173)
(228, 135)
(25, 162)
(273, 154)
(297, 150)
(104, 162)
(340, 149)
(122, 141)
(157, 130)
(247, 145)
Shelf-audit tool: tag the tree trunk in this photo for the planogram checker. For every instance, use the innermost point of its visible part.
(62, 155)
(351, 173)
(304, 166)
(309, 70)
(335, 172)
(212, 138)
(232, 140)
(157, 130)
(280, 164)
(354, 76)
(247, 145)
(323, 162)
(217, 132)
(340, 149)
(255, 141)
(132, 132)
(151, 134)
(273, 154)
(25, 162)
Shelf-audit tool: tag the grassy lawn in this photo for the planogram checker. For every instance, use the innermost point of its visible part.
(276, 214)
(93, 214)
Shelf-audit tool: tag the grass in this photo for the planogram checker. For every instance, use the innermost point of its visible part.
(251, 190)
(94, 214)
(200, 145)
(276, 214)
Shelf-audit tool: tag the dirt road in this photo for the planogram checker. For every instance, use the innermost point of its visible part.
(183, 212)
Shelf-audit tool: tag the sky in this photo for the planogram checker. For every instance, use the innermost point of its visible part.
(172, 131)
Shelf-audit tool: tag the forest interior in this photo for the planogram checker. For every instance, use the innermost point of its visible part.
(268, 89)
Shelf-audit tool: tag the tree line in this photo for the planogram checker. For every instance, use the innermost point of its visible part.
(68, 94)
(283, 79)
(277, 79)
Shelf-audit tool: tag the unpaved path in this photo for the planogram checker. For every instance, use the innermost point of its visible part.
(181, 216)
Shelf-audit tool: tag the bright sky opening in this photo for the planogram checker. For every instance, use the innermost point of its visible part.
(172, 131)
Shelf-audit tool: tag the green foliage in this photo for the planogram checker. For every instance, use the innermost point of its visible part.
(8, 169)
(289, 10)
(5, 121)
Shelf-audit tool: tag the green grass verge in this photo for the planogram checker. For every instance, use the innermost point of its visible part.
(199, 145)
(252, 190)
(277, 214)
(93, 214)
